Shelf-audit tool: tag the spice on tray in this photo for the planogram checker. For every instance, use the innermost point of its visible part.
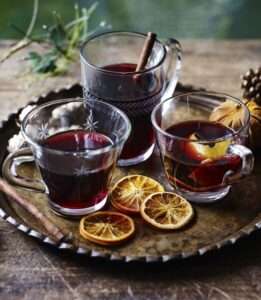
(51, 228)
(166, 211)
(130, 191)
(107, 228)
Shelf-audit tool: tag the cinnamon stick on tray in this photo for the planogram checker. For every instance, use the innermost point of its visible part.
(146, 51)
(52, 229)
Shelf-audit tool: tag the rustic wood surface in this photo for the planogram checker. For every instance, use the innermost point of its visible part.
(30, 270)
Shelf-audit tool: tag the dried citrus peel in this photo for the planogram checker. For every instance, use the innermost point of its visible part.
(166, 210)
(107, 228)
(130, 191)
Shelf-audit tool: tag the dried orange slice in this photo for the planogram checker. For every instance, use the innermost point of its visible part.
(166, 210)
(107, 228)
(130, 191)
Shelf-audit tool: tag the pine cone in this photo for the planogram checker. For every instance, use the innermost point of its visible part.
(251, 85)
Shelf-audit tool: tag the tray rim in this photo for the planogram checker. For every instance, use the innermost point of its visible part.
(244, 231)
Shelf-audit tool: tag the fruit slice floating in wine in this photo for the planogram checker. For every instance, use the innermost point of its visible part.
(199, 158)
(107, 228)
(204, 150)
(209, 173)
(130, 191)
(166, 210)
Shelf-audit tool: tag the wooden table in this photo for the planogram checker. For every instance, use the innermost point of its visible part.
(30, 270)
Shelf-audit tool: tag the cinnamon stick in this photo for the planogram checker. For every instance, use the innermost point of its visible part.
(146, 51)
(49, 226)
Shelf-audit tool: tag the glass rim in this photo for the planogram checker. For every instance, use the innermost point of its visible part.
(201, 141)
(101, 150)
(118, 32)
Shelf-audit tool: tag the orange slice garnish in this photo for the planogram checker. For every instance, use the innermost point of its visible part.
(107, 228)
(130, 191)
(166, 210)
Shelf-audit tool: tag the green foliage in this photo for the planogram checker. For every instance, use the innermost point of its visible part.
(42, 63)
(63, 41)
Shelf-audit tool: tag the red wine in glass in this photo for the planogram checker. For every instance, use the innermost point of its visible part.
(77, 187)
(142, 135)
(190, 169)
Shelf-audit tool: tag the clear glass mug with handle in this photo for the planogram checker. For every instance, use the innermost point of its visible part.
(75, 146)
(108, 63)
(201, 158)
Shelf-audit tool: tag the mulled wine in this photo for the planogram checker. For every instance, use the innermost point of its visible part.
(109, 62)
(142, 93)
(122, 67)
(73, 183)
(195, 165)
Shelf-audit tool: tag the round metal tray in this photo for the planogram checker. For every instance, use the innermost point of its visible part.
(214, 225)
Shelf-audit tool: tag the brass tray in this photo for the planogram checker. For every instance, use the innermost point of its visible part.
(214, 225)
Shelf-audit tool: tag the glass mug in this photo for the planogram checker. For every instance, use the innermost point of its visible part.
(75, 146)
(108, 73)
(201, 158)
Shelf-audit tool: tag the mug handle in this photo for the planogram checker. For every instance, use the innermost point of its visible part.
(173, 48)
(10, 166)
(247, 158)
